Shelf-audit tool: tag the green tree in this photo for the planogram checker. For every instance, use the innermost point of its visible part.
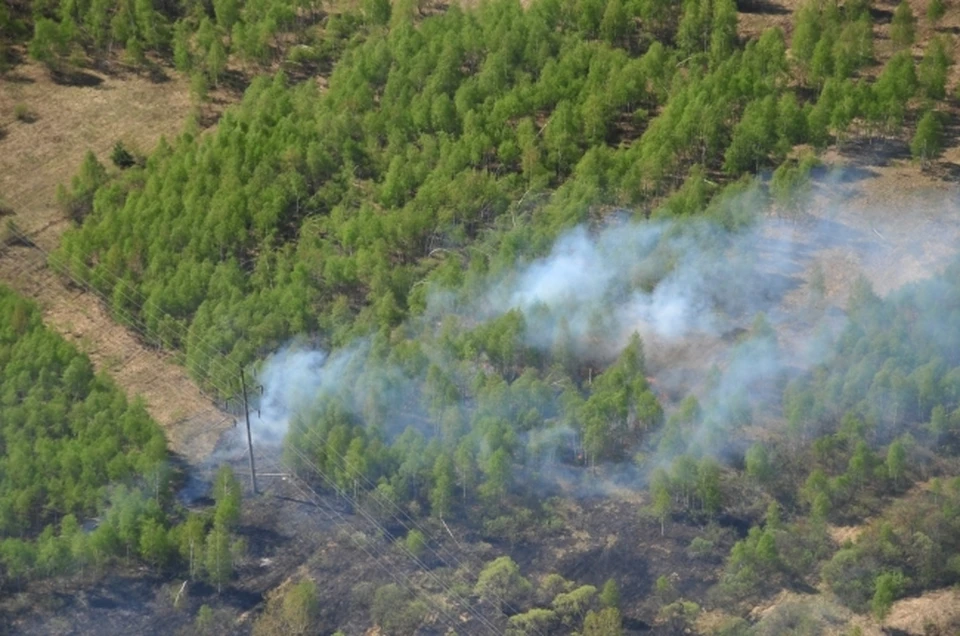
(615, 25)
(444, 485)
(758, 463)
(415, 543)
(394, 610)
(723, 35)
(227, 12)
(300, 609)
(662, 504)
(48, 45)
(903, 25)
(498, 471)
(927, 142)
(182, 51)
(500, 582)
(806, 32)
(377, 11)
(888, 586)
(155, 545)
(932, 72)
(896, 462)
(218, 557)
(228, 496)
(216, 61)
(610, 594)
(606, 622)
(535, 621)
(935, 10)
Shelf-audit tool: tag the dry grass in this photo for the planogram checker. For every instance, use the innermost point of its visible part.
(34, 158)
(940, 608)
(69, 120)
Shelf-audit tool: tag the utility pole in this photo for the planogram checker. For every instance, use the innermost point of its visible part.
(246, 415)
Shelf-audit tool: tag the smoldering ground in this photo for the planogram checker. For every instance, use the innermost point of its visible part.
(691, 289)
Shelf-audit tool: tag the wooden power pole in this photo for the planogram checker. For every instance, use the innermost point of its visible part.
(246, 415)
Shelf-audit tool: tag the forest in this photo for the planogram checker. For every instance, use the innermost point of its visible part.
(377, 214)
(87, 485)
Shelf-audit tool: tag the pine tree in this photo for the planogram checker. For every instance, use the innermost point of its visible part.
(377, 11)
(228, 495)
(928, 140)
(218, 558)
(903, 26)
(47, 45)
(662, 505)
(896, 462)
(806, 33)
(888, 586)
(182, 55)
(932, 72)
(935, 10)
(616, 23)
(723, 35)
(444, 483)
(610, 594)
(216, 61)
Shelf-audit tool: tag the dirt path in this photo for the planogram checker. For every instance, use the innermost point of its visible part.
(35, 156)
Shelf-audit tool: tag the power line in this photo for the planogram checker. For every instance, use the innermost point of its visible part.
(133, 322)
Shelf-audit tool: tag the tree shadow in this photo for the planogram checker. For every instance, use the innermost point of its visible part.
(762, 7)
(874, 151)
(944, 170)
(157, 75)
(76, 77)
(842, 176)
(881, 16)
(16, 78)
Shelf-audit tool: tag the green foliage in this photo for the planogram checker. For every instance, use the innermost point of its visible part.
(680, 615)
(395, 611)
(500, 582)
(121, 157)
(927, 143)
(904, 24)
(932, 73)
(292, 610)
(77, 202)
(23, 113)
(535, 621)
(888, 587)
(935, 10)
(67, 432)
(572, 606)
(610, 594)
(605, 622)
(219, 557)
(228, 495)
(415, 543)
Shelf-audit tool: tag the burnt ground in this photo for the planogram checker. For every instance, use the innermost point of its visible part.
(291, 533)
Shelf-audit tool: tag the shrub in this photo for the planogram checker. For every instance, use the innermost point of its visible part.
(23, 113)
(121, 157)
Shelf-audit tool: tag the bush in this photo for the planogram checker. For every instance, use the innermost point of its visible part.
(395, 611)
(928, 141)
(415, 543)
(501, 583)
(23, 113)
(121, 157)
(700, 548)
